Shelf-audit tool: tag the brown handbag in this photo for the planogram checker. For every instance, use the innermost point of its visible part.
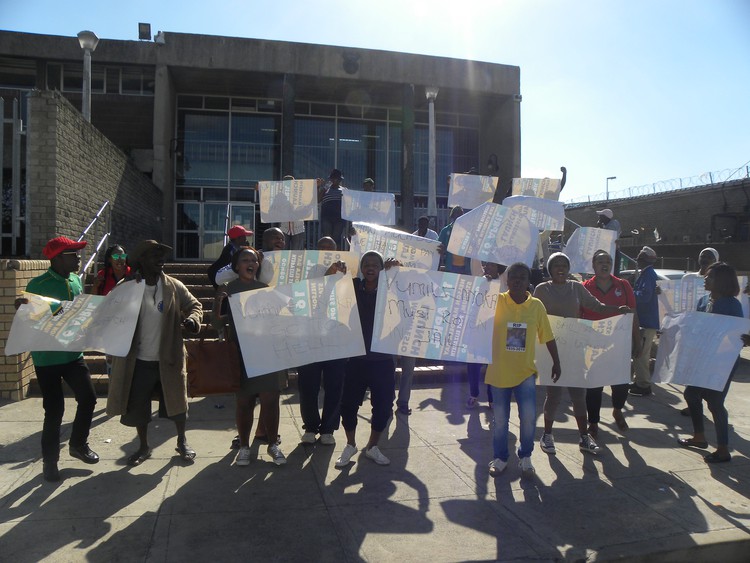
(213, 367)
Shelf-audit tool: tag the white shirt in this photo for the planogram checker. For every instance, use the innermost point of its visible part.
(432, 235)
(150, 322)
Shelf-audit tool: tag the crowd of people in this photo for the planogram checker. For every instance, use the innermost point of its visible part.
(155, 364)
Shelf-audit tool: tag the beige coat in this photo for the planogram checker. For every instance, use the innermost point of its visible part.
(179, 304)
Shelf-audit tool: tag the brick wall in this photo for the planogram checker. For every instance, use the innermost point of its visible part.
(15, 371)
(72, 169)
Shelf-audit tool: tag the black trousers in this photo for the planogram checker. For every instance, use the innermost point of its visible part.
(76, 375)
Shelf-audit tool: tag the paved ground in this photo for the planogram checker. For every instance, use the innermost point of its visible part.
(642, 499)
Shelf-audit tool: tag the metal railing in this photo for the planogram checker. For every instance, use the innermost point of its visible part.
(107, 218)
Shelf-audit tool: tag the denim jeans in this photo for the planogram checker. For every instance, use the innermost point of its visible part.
(76, 375)
(525, 393)
(694, 396)
(404, 382)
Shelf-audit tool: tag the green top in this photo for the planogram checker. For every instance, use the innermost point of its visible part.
(52, 284)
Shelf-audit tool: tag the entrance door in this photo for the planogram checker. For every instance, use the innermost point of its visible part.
(201, 227)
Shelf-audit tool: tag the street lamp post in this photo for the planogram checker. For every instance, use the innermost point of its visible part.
(88, 41)
(431, 93)
(608, 179)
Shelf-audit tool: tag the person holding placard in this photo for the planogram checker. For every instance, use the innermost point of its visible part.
(706, 257)
(647, 304)
(331, 223)
(267, 388)
(155, 362)
(309, 378)
(237, 237)
(723, 287)
(616, 292)
(61, 282)
(452, 262)
(564, 297)
(520, 320)
(373, 371)
(491, 271)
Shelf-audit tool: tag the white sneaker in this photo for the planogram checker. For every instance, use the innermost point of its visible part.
(547, 443)
(276, 454)
(525, 465)
(327, 440)
(308, 438)
(587, 444)
(243, 456)
(497, 466)
(346, 456)
(377, 456)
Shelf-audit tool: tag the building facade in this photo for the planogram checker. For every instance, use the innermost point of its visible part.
(206, 118)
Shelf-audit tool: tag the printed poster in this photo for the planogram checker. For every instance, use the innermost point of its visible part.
(545, 214)
(545, 188)
(592, 353)
(412, 251)
(582, 245)
(494, 233)
(288, 200)
(88, 323)
(436, 315)
(296, 324)
(369, 207)
(470, 190)
(678, 296)
(290, 266)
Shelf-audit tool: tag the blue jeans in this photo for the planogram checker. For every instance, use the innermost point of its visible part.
(525, 393)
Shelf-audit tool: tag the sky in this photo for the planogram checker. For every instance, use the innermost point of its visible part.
(642, 90)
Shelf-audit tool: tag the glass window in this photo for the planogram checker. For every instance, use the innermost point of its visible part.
(73, 78)
(244, 104)
(323, 109)
(97, 80)
(216, 103)
(190, 101)
(314, 147)
(54, 76)
(188, 216)
(242, 194)
(191, 194)
(113, 80)
(17, 73)
(131, 81)
(256, 148)
(301, 108)
(202, 148)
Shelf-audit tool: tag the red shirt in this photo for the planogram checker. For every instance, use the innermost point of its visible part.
(620, 293)
(109, 281)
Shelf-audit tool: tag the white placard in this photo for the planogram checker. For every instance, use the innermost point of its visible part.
(296, 324)
(546, 188)
(288, 200)
(290, 266)
(369, 207)
(494, 233)
(678, 296)
(88, 323)
(545, 214)
(470, 190)
(698, 349)
(592, 353)
(436, 315)
(410, 250)
(582, 245)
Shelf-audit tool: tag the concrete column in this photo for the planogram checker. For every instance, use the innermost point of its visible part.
(407, 158)
(287, 125)
(164, 144)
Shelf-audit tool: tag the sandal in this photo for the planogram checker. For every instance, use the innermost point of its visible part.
(620, 420)
(690, 443)
(139, 457)
(186, 452)
(716, 458)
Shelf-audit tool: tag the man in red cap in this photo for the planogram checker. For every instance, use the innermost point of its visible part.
(237, 237)
(61, 282)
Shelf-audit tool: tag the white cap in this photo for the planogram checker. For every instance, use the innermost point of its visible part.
(606, 212)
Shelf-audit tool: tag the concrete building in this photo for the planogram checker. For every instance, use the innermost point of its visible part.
(205, 118)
